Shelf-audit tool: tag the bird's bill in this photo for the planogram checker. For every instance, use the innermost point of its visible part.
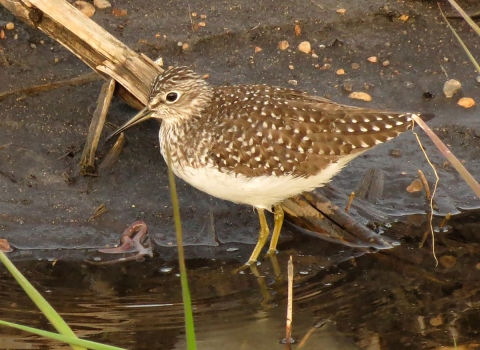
(141, 116)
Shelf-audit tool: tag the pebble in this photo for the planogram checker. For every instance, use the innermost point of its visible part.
(185, 46)
(258, 49)
(372, 59)
(415, 186)
(9, 26)
(396, 153)
(283, 45)
(293, 82)
(348, 85)
(447, 261)
(436, 321)
(355, 66)
(451, 87)
(357, 95)
(340, 72)
(466, 102)
(341, 11)
(305, 47)
(84, 7)
(101, 4)
(386, 63)
(478, 79)
(298, 29)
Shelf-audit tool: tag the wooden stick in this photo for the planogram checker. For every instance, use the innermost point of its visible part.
(87, 161)
(91, 44)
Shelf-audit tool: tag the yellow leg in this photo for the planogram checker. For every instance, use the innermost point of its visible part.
(262, 239)
(278, 215)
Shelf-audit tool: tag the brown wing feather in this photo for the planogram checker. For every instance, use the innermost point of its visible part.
(274, 131)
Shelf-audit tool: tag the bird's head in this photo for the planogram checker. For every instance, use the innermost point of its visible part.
(175, 96)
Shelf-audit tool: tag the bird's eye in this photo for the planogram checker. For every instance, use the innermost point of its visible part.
(172, 97)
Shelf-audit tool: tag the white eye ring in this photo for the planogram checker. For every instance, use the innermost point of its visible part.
(172, 97)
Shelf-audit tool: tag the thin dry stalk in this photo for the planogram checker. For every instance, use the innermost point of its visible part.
(425, 184)
(349, 202)
(469, 179)
(288, 333)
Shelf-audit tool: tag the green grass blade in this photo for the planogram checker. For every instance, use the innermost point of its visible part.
(187, 301)
(86, 344)
(56, 320)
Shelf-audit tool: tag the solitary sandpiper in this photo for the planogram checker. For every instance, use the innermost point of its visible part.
(258, 144)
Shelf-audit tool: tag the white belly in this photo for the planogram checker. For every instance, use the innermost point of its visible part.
(261, 192)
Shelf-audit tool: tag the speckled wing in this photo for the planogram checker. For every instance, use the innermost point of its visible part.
(276, 131)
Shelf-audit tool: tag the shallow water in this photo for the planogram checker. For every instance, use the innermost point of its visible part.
(343, 299)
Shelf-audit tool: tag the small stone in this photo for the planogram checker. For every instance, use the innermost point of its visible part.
(119, 12)
(9, 26)
(293, 82)
(15, 37)
(2, 34)
(386, 63)
(290, 66)
(314, 55)
(478, 79)
(357, 95)
(101, 4)
(326, 66)
(403, 18)
(5, 246)
(33, 46)
(159, 61)
(194, 14)
(396, 153)
(305, 47)
(466, 102)
(84, 7)
(436, 321)
(283, 45)
(258, 49)
(203, 16)
(185, 46)
(355, 66)
(340, 71)
(341, 11)
(415, 186)
(447, 261)
(451, 87)
(477, 266)
(348, 85)
(202, 24)
(372, 59)
(298, 29)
